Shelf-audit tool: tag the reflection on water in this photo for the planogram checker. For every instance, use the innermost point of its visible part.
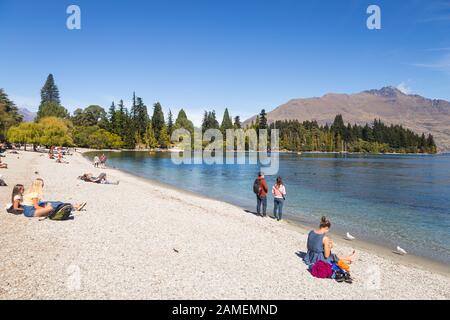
(388, 199)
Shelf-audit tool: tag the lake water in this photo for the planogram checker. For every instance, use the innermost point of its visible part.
(385, 199)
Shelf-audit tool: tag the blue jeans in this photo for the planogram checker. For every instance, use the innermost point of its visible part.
(261, 201)
(29, 211)
(278, 208)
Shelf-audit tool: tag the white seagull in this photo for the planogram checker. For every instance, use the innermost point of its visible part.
(401, 251)
(348, 236)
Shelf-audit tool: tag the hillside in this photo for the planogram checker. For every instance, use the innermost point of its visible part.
(415, 112)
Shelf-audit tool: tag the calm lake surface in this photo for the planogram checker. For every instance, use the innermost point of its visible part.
(385, 199)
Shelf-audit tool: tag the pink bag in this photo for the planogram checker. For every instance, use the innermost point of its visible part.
(322, 270)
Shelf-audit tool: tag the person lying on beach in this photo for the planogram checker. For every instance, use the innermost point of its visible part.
(89, 177)
(16, 200)
(3, 165)
(2, 182)
(320, 245)
(33, 206)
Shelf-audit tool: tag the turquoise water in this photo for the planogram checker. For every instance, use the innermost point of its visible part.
(386, 199)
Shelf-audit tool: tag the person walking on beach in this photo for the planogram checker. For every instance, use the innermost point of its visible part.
(260, 189)
(279, 195)
(96, 162)
(103, 161)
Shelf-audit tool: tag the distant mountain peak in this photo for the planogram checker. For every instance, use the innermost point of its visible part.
(27, 115)
(389, 92)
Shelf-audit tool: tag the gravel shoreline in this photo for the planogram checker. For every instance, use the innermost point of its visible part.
(141, 240)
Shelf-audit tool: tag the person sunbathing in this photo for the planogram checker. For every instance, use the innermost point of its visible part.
(88, 177)
(2, 182)
(33, 206)
(3, 165)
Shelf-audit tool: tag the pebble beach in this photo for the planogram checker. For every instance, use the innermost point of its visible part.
(143, 240)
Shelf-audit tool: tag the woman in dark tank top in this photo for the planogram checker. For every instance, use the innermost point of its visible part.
(319, 246)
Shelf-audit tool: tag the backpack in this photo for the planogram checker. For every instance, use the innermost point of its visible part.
(61, 213)
(256, 186)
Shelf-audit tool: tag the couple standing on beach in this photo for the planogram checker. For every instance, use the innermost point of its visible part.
(279, 194)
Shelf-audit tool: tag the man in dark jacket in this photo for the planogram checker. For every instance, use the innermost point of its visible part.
(261, 196)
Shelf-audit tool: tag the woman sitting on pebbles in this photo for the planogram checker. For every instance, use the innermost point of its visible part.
(320, 245)
(33, 206)
(16, 199)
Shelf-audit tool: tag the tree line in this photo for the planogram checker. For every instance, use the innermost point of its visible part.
(134, 128)
(376, 138)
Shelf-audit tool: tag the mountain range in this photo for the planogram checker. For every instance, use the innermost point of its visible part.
(28, 116)
(420, 114)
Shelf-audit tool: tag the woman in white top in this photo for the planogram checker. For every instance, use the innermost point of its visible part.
(96, 161)
(16, 200)
(279, 195)
(33, 206)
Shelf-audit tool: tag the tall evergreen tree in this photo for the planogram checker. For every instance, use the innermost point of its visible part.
(149, 137)
(112, 118)
(157, 119)
(170, 123)
(50, 92)
(140, 118)
(262, 124)
(133, 106)
(164, 139)
(50, 103)
(210, 121)
(121, 117)
(237, 122)
(227, 123)
(183, 122)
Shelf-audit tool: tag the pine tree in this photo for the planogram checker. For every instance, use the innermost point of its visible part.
(212, 120)
(128, 132)
(431, 145)
(227, 123)
(134, 106)
(50, 103)
(170, 124)
(183, 122)
(140, 118)
(157, 119)
(112, 121)
(121, 119)
(262, 124)
(50, 92)
(164, 139)
(149, 137)
(205, 121)
(237, 122)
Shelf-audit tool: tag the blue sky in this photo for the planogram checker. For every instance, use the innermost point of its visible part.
(244, 55)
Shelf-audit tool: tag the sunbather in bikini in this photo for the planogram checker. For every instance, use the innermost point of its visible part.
(88, 177)
(3, 165)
